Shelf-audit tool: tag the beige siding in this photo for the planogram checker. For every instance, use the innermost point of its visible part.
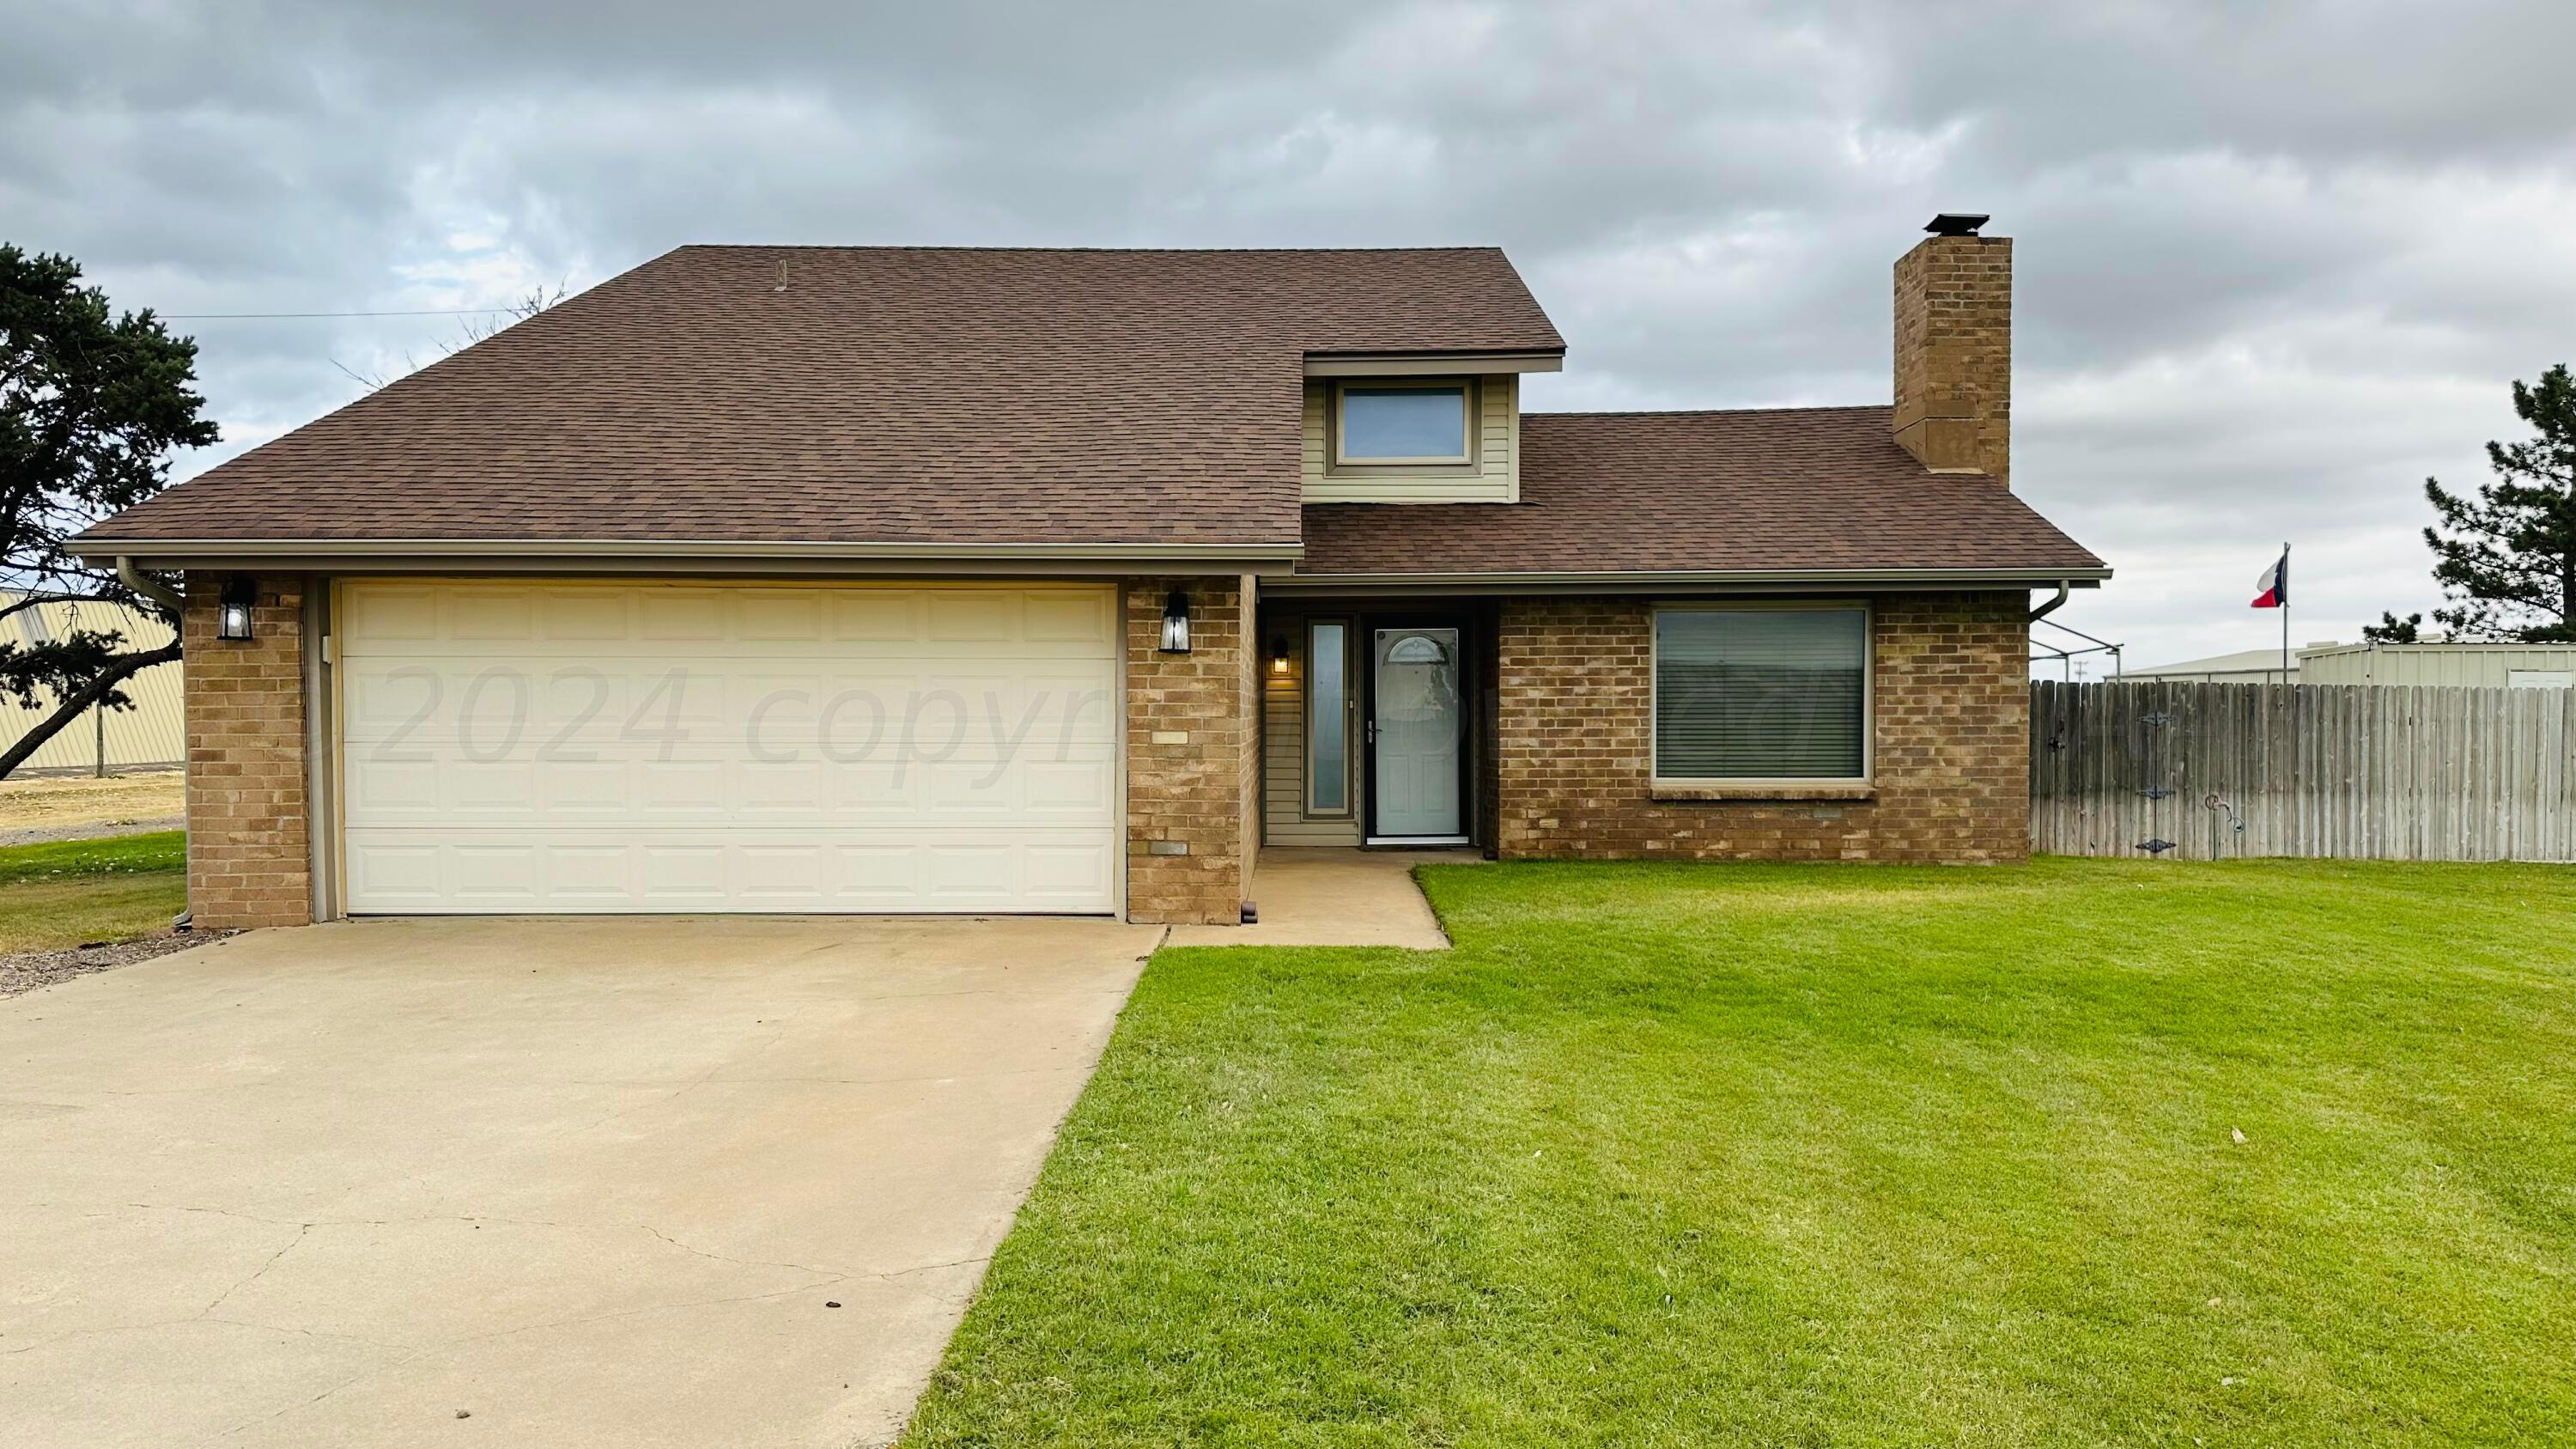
(1283, 730)
(147, 734)
(1497, 478)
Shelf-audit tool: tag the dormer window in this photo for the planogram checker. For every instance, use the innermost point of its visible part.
(1404, 423)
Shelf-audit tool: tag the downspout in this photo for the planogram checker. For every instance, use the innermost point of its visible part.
(2042, 612)
(128, 575)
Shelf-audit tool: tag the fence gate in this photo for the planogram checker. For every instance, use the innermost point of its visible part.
(2341, 771)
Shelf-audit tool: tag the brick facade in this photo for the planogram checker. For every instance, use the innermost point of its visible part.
(1196, 793)
(1951, 742)
(249, 845)
(1954, 353)
(1569, 762)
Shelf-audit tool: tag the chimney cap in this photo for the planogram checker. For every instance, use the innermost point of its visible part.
(1957, 223)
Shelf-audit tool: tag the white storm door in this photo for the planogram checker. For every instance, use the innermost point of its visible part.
(567, 746)
(1419, 723)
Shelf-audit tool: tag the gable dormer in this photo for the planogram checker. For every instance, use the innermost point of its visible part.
(1415, 430)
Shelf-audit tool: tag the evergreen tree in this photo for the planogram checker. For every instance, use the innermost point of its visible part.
(90, 407)
(2506, 559)
(2393, 630)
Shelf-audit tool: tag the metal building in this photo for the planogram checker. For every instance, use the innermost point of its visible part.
(2245, 666)
(2457, 666)
(150, 733)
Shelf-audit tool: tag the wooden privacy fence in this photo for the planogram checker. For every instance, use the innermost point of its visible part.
(2341, 771)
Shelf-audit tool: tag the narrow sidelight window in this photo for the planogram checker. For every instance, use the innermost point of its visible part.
(1761, 694)
(1328, 715)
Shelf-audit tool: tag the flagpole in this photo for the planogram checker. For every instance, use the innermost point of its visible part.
(2285, 613)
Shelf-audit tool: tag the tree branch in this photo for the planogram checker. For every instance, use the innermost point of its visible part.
(29, 601)
(81, 699)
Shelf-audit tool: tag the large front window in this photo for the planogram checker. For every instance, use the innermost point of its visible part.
(1397, 424)
(1761, 695)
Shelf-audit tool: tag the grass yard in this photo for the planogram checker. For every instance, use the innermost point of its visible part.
(52, 896)
(1674, 1155)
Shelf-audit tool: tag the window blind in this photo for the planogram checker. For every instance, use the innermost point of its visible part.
(1760, 694)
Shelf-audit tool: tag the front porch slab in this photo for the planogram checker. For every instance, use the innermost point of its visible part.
(1325, 897)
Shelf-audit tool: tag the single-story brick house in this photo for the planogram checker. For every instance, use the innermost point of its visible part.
(906, 579)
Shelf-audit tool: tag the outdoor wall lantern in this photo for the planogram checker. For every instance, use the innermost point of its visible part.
(1278, 655)
(1176, 623)
(232, 611)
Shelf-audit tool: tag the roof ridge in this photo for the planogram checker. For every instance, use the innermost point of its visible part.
(1060, 251)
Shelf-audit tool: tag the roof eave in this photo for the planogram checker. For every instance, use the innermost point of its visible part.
(520, 555)
(1659, 581)
(1415, 363)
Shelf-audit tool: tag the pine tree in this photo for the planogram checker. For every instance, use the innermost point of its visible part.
(2393, 630)
(2506, 559)
(91, 403)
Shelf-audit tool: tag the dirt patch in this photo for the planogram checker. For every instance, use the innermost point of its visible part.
(27, 970)
(96, 830)
(57, 802)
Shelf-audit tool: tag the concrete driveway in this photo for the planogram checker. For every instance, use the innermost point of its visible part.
(639, 1181)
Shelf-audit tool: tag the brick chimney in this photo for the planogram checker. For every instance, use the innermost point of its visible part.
(1954, 349)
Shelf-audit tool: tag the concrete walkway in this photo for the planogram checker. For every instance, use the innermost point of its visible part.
(1336, 898)
(635, 1182)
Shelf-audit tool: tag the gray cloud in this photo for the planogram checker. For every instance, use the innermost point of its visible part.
(2276, 260)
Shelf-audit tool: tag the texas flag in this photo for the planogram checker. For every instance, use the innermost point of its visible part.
(2272, 591)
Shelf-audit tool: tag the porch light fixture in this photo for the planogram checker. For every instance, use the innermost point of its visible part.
(232, 609)
(1176, 623)
(1278, 656)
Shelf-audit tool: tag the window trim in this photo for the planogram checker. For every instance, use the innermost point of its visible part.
(1471, 409)
(1306, 807)
(1742, 786)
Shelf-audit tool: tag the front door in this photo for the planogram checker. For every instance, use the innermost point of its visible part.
(1418, 722)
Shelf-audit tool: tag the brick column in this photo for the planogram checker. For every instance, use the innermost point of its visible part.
(249, 860)
(1192, 753)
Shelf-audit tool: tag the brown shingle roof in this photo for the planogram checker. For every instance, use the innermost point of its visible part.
(1788, 489)
(889, 394)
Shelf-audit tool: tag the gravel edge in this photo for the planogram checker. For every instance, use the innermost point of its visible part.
(26, 971)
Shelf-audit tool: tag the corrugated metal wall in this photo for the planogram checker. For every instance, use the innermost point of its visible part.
(2445, 666)
(151, 733)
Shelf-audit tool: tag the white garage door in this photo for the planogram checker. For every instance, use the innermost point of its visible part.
(615, 747)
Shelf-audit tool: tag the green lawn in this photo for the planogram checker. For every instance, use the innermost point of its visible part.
(1673, 1155)
(59, 895)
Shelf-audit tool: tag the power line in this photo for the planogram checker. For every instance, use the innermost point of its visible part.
(275, 316)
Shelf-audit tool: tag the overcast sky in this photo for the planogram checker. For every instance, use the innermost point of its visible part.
(2277, 262)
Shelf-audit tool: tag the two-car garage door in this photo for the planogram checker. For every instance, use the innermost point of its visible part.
(618, 747)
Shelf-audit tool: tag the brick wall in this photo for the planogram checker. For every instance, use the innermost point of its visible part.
(1191, 794)
(1954, 353)
(248, 842)
(1951, 742)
